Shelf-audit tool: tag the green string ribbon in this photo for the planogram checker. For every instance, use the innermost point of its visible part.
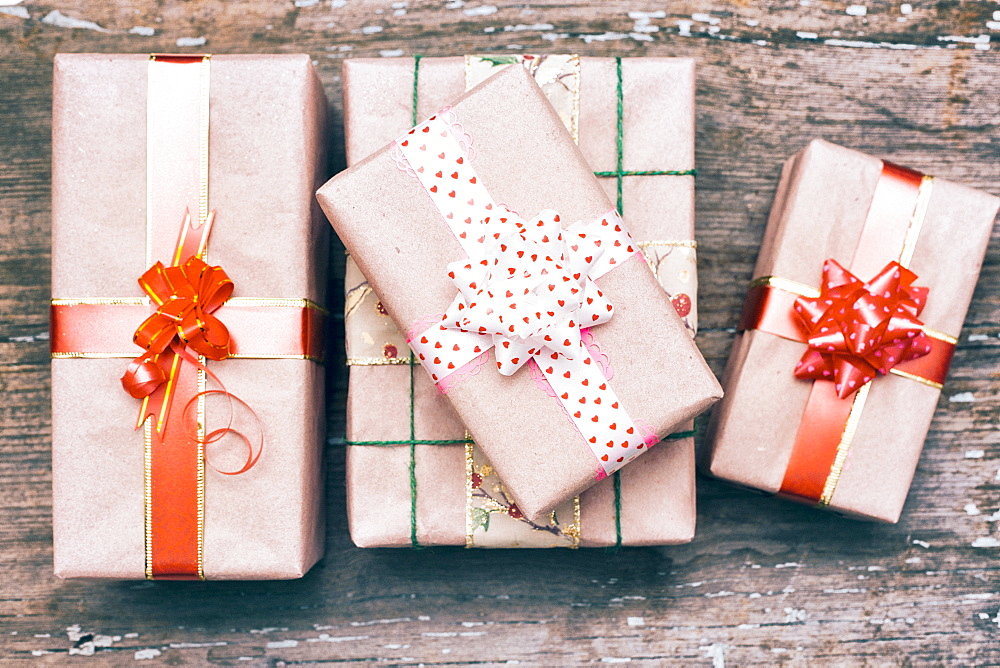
(619, 173)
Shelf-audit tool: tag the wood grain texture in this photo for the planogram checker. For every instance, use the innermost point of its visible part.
(765, 581)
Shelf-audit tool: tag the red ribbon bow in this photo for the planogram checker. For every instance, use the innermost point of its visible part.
(856, 329)
(186, 296)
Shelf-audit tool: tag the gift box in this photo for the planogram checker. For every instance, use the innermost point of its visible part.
(457, 497)
(406, 226)
(183, 221)
(861, 286)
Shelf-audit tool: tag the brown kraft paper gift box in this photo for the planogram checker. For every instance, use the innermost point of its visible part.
(530, 165)
(458, 499)
(266, 146)
(828, 206)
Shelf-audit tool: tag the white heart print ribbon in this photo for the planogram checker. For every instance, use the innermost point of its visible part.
(527, 291)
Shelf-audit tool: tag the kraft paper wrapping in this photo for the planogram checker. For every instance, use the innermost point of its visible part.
(267, 147)
(399, 242)
(818, 213)
(657, 499)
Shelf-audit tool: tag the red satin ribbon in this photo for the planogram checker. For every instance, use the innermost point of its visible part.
(854, 331)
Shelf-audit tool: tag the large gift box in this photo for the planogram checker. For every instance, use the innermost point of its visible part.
(454, 497)
(861, 286)
(183, 221)
(489, 240)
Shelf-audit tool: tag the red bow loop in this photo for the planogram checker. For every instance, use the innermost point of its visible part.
(856, 330)
(187, 295)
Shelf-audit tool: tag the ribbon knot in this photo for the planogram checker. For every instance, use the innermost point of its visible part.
(186, 295)
(531, 288)
(856, 329)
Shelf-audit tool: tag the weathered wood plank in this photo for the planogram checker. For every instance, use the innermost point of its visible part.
(764, 581)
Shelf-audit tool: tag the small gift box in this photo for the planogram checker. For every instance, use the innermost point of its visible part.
(183, 221)
(453, 495)
(860, 289)
(561, 288)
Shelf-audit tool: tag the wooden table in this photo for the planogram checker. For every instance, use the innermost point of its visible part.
(765, 581)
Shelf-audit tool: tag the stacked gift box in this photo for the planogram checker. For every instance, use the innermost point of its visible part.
(636, 113)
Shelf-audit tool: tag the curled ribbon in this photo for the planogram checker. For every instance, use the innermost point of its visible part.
(526, 290)
(182, 328)
(856, 329)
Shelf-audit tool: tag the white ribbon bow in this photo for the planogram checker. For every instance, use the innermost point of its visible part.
(531, 289)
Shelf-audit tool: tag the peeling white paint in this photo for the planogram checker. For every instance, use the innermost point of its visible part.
(197, 645)
(643, 21)
(142, 31)
(282, 644)
(906, 9)
(806, 35)
(326, 637)
(914, 560)
(684, 30)
(992, 25)
(962, 398)
(615, 659)
(391, 53)
(971, 509)
(31, 338)
(848, 590)
(306, 3)
(337, 4)
(191, 41)
(857, 10)
(19, 12)
(795, 615)
(658, 14)
(10, 3)
(370, 30)
(374, 622)
(706, 18)
(717, 653)
(975, 454)
(857, 44)
(482, 10)
(789, 564)
(603, 37)
(719, 594)
(635, 621)
(962, 39)
(60, 20)
(143, 654)
(986, 541)
(520, 27)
